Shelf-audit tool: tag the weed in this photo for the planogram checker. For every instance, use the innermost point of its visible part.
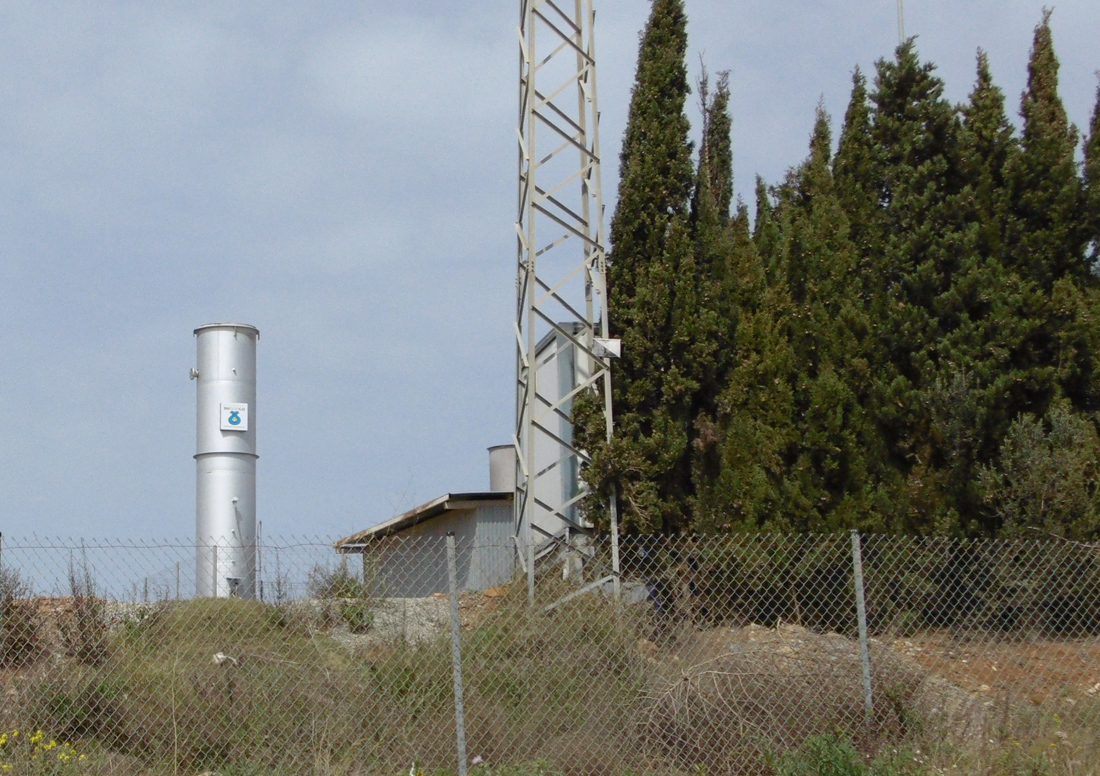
(85, 629)
(34, 754)
(357, 617)
(825, 755)
(20, 629)
(329, 583)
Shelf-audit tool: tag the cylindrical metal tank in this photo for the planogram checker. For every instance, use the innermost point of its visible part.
(225, 489)
(502, 468)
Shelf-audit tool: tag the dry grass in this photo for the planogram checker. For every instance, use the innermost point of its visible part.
(580, 688)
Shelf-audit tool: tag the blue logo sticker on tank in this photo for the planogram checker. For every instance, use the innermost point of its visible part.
(234, 418)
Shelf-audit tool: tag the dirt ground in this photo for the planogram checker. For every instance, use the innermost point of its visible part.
(1035, 669)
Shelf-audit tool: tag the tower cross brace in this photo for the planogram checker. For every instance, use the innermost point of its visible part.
(561, 323)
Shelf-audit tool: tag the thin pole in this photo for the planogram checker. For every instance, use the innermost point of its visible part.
(177, 580)
(617, 584)
(214, 565)
(259, 575)
(901, 22)
(456, 653)
(861, 617)
(1, 602)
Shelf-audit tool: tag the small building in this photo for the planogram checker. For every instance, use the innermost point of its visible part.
(406, 556)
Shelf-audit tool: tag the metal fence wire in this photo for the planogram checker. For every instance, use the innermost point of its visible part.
(746, 654)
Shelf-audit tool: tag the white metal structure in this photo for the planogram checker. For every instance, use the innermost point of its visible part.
(561, 302)
(225, 491)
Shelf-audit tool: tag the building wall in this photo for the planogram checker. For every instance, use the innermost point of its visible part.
(413, 564)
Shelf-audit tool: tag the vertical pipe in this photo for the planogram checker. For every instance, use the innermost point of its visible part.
(861, 617)
(456, 653)
(177, 580)
(214, 568)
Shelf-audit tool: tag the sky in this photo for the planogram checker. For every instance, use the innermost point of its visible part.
(342, 176)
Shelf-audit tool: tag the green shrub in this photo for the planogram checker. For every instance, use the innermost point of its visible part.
(357, 617)
(822, 756)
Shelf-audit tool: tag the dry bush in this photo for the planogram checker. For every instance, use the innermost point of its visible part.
(20, 628)
(84, 627)
(730, 698)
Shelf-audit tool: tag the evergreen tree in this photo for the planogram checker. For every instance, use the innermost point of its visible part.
(828, 485)
(988, 364)
(1091, 198)
(743, 488)
(1045, 241)
(915, 168)
(716, 151)
(1075, 299)
(716, 320)
(857, 181)
(651, 250)
(985, 145)
(1047, 477)
(766, 236)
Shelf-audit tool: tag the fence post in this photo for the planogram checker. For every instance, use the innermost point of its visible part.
(861, 617)
(456, 653)
(5, 591)
(617, 585)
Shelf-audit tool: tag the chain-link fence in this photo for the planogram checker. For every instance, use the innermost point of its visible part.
(754, 654)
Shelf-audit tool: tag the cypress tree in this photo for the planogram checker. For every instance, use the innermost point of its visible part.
(716, 151)
(650, 252)
(828, 484)
(766, 235)
(857, 182)
(1075, 300)
(916, 171)
(1045, 241)
(989, 362)
(716, 317)
(986, 143)
(1091, 198)
(743, 491)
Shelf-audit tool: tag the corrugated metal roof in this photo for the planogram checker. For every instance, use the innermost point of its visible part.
(445, 503)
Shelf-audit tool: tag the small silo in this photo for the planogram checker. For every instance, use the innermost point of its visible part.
(225, 489)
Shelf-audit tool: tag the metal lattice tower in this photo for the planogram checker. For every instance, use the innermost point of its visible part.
(562, 350)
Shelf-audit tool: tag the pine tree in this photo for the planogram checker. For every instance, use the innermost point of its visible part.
(1045, 241)
(650, 254)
